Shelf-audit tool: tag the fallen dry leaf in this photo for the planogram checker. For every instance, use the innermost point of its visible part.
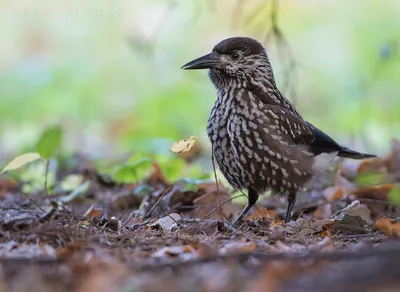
(391, 229)
(7, 185)
(205, 250)
(20, 161)
(305, 227)
(202, 226)
(66, 252)
(379, 192)
(392, 161)
(207, 206)
(212, 186)
(333, 193)
(371, 165)
(92, 211)
(184, 252)
(167, 223)
(279, 246)
(349, 225)
(12, 249)
(355, 209)
(183, 145)
(261, 213)
(235, 247)
(157, 177)
(125, 199)
(323, 212)
(326, 244)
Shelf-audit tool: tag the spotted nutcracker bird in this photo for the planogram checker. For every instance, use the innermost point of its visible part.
(259, 140)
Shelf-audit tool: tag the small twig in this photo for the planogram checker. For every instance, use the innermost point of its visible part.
(169, 215)
(224, 202)
(45, 176)
(152, 208)
(129, 219)
(32, 201)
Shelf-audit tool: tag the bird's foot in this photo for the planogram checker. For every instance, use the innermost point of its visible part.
(230, 226)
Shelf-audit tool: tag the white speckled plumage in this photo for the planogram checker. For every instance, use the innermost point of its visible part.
(258, 138)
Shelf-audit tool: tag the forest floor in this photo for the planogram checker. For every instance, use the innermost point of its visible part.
(163, 236)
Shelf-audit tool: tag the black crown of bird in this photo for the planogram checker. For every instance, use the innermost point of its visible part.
(259, 140)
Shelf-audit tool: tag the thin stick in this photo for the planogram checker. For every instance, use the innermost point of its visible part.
(45, 176)
(152, 208)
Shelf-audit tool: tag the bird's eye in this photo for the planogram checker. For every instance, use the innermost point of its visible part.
(235, 56)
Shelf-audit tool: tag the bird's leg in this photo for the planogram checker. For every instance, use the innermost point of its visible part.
(252, 199)
(291, 201)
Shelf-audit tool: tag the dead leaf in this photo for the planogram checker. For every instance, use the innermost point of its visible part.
(391, 229)
(208, 203)
(305, 227)
(261, 213)
(333, 193)
(167, 223)
(205, 250)
(355, 209)
(126, 199)
(211, 186)
(20, 161)
(183, 145)
(202, 226)
(379, 192)
(17, 220)
(371, 165)
(7, 185)
(276, 233)
(349, 225)
(93, 212)
(326, 244)
(235, 247)
(12, 249)
(323, 212)
(392, 161)
(192, 154)
(66, 252)
(184, 252)
(157, 177)
(279, 246)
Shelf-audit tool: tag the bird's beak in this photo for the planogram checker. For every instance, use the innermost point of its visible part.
(205, 62)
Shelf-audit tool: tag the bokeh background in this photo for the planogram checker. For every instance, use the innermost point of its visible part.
(108, 72)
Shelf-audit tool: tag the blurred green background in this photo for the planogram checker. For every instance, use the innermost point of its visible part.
(108, 72)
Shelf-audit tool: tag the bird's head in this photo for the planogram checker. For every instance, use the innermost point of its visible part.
(232, 59)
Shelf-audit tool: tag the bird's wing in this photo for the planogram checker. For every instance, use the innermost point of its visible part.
(301, 131)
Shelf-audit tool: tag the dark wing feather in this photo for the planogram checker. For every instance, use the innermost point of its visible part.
(304, 133)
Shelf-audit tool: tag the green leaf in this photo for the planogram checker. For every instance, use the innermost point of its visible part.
(370, 179)
(20, 161)
(49, 142)
(132, 172)
(394, 195)
(76, 193)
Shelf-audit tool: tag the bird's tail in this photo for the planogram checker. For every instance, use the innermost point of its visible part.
(348, 153)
